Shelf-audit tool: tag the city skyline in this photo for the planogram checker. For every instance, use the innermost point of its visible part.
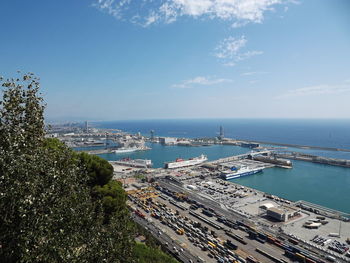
(115, 60)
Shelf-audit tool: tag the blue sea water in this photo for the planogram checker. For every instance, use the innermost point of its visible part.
(315, 132)
(160, 154)
(321, 184)
(317, 183)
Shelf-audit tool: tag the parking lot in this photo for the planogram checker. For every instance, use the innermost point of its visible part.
(194, 234)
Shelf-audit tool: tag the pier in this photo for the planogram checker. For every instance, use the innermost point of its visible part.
(303, 146)
(239, 157)
(312, 158)
(286, 155)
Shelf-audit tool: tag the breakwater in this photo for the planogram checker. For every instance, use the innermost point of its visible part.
(312, 158)
(304, 146)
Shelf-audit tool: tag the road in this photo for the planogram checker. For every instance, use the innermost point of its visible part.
(184, 256)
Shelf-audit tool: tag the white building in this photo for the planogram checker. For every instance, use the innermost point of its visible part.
(168, 140)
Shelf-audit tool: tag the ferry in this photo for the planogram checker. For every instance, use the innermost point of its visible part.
(184, 163)
(126, 150)
(130, 149)
(240, 172)
(140, 163)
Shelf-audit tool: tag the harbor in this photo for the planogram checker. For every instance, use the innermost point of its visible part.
(298, 230)
(297, 182)
(227, 185)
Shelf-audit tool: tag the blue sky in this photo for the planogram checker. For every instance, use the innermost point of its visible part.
(149, 59)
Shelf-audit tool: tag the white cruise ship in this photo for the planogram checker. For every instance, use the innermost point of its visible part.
(126, 150)
(130, 149)
(183, 163)
(243, 171)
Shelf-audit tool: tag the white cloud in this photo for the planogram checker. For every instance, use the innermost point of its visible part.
(239, 24)
(229, 51)
(239, 12)
(200, 81)
(316, 90)
(151, 19)
(112, 7)
(253, 73)
(229, 47)
(248, 54)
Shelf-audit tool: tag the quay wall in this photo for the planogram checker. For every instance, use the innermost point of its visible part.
(313, 158)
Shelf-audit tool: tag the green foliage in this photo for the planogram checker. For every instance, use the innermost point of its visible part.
(99, 171)
(113, 199)
(54, 144)
(57, 205)
(47, 213)
(144, 254)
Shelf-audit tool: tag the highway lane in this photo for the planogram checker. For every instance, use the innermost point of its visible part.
(184, 256)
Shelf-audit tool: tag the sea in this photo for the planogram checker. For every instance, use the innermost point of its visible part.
(320, 184)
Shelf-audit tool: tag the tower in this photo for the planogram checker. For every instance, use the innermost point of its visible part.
(152, 135)
(221, 136)
(86, 126)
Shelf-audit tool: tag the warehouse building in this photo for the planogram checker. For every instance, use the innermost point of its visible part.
(168, 140)
(282, 213)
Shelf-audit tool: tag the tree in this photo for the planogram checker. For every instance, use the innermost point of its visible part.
(99, 171)
(47, 213)
(113, 199)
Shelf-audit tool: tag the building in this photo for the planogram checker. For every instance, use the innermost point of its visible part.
(184, 143)
(282, 213)
(86, 128)
(267, 206)
(167, 140)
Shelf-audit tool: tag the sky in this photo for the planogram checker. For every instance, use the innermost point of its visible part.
(164, 59)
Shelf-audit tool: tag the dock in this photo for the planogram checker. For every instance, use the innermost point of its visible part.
(239, 157)
(312, 158)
